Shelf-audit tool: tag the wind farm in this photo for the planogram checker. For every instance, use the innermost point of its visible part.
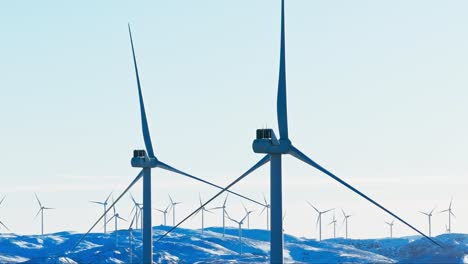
(237, 103)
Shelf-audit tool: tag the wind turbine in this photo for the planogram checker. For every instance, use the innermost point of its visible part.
(173, 205)
(345, 220)
(223, 207)
(146, 160)
(116, 218)
(41, 211)
(202, 210)
(267, 143)
(164, 212)
(137, 207)
(240, 223)
(334, 226)
(248, 212)
(319, 219)
(429, 215)
(104, 204)
(1, 223)
(266, 207)
(390, 224)
(450, 214)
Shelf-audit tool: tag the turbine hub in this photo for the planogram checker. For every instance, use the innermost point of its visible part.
(266, 142)
(141, 160)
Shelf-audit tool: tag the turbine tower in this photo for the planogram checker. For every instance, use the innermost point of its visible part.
(1, 223)
(41, 211)
(223, 207)
(173, 205)
(319, 218)
(138, 208)
(266, 207)
(390, 224)
(450, 214)
(334, 226)
(345, 220)
(429, 215)
(267, 143)
(104, 204)
(164, 212)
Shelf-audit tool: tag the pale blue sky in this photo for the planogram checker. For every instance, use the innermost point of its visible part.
(377, 93)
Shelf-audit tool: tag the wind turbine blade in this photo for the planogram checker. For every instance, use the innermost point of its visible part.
(48, 208)
(424, 213)
(452, 214)
(264, 160)
(216, 208)
(39, 202)
(299, 155)
(38, 213)
(432, 210)
(131, 223)
(107, 199)
(165, 166)
(123, 219)
(199, 198)
(328, 210)
(245, 208)
(159, 210)
(96, 202)
(264, 208)
(144, 122)
(1, 223)
(264, 199)
(133, 199)
(443, 211)
(344, 214)
(137, 178)
(170, 198)
(2, 199)
(313, 207)
(318, 220)
(110, 219)
(281, 104)
(247, 214)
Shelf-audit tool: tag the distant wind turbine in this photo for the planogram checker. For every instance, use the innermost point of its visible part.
(104, 204)
(173, 205)
(429, 215)
(319, 219)
(450, 214)
(138, 208)
(266, 207)
(248, 212)
(390, 224)
(334, 226)
(223, 208)
(1, 223)
(202, 210)
(41, 211)
(164, 212)
(345, 220)
(116, 218)
(239, 223)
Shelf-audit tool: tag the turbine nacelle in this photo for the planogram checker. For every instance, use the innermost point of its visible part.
(266, 142)
(141, 160)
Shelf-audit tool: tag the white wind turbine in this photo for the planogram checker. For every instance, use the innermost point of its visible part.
(202, 210)
(248, 212)
(390, 224)
(173, 205)
(267, 143)
(41, 211)
(1, 223)
(345, 220)
(147, 160)
(334, 226)
(104, 204)
(429, 215)
(223, 208)
(239, 223)
(450, 214)
(319, 219)
(266, 207)
(164, 212)
(138, 208)
(116, 218)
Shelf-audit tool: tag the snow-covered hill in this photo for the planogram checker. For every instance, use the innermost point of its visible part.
(190, 246)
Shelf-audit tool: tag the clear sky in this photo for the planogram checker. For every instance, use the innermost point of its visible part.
(377, 93)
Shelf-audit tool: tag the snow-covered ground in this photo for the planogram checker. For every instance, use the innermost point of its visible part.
(190, 246)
